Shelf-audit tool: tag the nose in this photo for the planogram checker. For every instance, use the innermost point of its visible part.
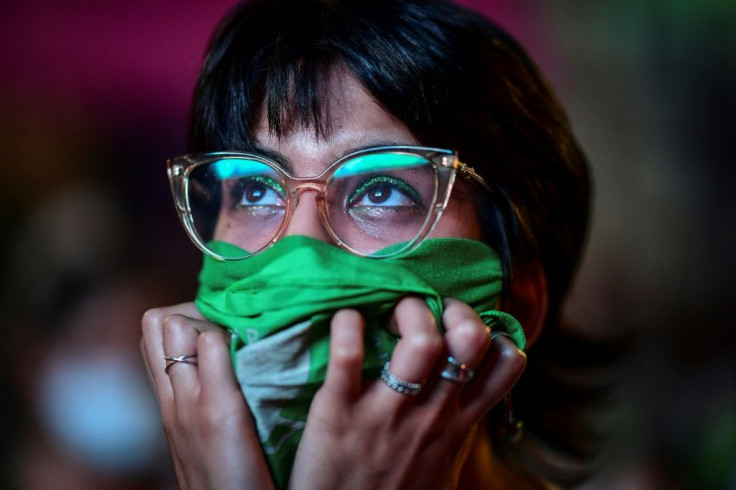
(306, 220)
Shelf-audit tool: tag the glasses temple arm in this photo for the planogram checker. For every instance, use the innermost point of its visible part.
(470, 173)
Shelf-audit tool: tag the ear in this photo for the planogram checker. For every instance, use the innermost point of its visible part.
(527, 300)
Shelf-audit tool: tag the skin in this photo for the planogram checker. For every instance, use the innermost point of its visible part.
(359, 432)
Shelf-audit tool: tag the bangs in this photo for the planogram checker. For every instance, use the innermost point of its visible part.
(281, 69)
(296, 88)
(281, 61)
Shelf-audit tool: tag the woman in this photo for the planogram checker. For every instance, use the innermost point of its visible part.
(308, 93)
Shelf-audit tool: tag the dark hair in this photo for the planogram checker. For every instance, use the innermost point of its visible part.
(455, 79)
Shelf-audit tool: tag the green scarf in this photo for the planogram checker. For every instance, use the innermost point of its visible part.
(278, 307)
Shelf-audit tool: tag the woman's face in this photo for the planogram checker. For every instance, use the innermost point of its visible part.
(356, 122)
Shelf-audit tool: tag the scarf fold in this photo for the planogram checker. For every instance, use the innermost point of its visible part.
(279, 303)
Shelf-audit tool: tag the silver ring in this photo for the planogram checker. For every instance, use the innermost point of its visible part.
(457, 371)
(502, 333)
(171, 360)
(396, 384)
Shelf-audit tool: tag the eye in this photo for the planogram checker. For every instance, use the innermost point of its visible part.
(384, 191)
(258, 191)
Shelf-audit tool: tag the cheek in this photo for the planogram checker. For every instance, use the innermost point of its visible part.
(459, 220)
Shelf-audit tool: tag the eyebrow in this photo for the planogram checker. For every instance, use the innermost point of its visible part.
(375, 144)
(287, 166)
(277, 157)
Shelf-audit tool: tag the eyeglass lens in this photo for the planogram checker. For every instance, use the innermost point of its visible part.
(372, 201)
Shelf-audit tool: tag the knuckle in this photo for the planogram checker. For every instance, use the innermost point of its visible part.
(520, 362)
(346, 357)
(211, 338)
(346, 317)
(514, 358)
(472, 332)
(410, 305)
(450, 302)
(172, 324)
(457, 311)
(408, 302)
(457, 307)
(346, 338)
(152, 318)
(426, 344)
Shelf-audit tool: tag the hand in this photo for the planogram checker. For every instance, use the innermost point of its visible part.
(362, 434)
(212, 438)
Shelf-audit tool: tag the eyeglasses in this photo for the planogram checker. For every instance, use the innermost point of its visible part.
(380, 202)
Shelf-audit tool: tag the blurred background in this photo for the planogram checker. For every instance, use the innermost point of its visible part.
(94, 97)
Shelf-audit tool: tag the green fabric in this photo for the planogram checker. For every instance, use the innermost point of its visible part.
(278, 306)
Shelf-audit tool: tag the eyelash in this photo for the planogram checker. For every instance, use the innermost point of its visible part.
(236, 191)
(402, 185)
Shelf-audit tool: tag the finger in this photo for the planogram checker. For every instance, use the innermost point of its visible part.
(215, 364)
(152, 345)
(219, 389)
(344, 371)
(153, 348)
(230, 432)
(180, 335)
(496, 376)
(188, 309)
(420, 342)
(467, 339)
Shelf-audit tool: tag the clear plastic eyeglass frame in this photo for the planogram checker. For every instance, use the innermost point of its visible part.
(445, 163)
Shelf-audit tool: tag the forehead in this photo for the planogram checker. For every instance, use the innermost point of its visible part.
(352, 119)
